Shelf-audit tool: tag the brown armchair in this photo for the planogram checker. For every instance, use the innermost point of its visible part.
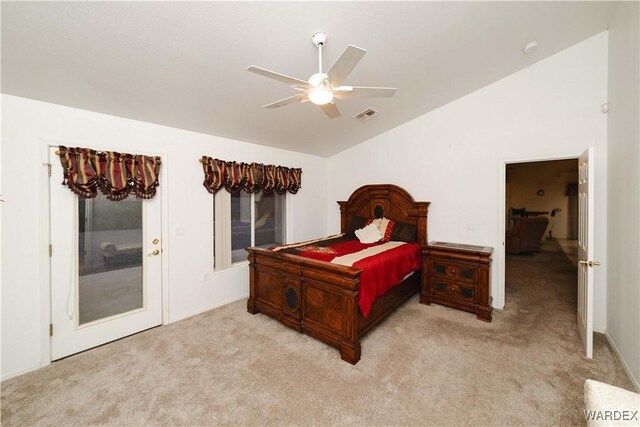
(526, 234)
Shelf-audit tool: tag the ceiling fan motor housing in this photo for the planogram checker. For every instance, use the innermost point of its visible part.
(319, 79)
(319, 39)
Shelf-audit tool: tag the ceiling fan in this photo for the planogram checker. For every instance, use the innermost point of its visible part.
(323, 89)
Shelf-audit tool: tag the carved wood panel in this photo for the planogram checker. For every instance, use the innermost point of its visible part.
(269, 288)
(324, 307)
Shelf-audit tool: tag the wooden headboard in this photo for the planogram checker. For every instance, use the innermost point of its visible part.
(390, 201)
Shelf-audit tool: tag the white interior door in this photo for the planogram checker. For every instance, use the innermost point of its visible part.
(585, 250)
(106, 271)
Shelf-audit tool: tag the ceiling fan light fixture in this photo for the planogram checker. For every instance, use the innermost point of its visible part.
(320, 95)
(324, 88)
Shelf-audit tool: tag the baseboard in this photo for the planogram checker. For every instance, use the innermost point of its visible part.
(633, 379)
(21, 372)
(200, 311)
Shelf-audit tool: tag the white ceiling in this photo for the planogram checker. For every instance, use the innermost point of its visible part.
(183, 64)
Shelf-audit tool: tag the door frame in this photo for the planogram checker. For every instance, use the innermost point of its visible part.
(45, 237)
(500, 254)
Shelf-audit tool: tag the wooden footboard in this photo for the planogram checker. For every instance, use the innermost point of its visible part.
(314, 297)
(318, 298)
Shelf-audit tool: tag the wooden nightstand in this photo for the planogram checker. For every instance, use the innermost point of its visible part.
(458, 276)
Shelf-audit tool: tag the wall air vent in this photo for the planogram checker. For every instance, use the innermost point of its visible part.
(366, 114)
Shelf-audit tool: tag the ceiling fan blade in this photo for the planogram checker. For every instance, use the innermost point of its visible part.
(345, 64)
(290, 100)
(346, 92)
(278, 76)
(330, 110)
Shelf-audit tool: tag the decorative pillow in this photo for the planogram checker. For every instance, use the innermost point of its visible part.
(386, 227)
(355, 223)
(404, 232)
(369, 234)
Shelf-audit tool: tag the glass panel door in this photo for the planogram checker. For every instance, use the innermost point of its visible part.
(110, 258)
(106, 267)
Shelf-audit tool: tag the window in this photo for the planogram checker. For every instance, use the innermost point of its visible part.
(256, 219)
(240, 225)
(269, 214)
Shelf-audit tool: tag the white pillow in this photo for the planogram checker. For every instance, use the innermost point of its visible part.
(369, 234)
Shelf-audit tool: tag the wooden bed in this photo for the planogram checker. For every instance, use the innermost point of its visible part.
(320, 298)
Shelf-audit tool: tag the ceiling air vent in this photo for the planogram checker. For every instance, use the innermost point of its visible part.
(366, 114)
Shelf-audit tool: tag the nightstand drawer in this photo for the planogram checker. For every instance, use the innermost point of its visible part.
(454, 291)
(454, 271)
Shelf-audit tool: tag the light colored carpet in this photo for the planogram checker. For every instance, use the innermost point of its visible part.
(425, 365)
(570, 249)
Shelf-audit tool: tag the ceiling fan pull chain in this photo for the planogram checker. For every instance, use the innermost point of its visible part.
(320, 57)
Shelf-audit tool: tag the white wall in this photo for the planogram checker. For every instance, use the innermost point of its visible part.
(623, 292)
(451, 156)
(193, 287)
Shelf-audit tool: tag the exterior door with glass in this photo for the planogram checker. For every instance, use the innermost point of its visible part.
(106, 267)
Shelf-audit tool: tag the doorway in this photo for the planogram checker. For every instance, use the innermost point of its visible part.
(527, 231)
(106, 267)
(541, 211)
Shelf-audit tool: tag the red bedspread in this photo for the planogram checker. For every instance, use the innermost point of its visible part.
(380, 272)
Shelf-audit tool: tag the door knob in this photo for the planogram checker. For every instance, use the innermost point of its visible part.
(155, 252)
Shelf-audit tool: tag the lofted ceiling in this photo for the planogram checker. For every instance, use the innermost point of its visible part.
(182, 64)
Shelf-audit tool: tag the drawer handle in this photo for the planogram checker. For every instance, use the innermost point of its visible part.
(453, 271)
(453, 289)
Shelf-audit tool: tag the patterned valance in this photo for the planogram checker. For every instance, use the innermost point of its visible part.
(251, 178)
(115, 174)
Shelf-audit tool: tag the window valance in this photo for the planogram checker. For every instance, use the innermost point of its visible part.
(115, 174)
(251, 178)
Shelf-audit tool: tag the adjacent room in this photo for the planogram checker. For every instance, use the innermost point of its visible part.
(320, 213)
(546, 194)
